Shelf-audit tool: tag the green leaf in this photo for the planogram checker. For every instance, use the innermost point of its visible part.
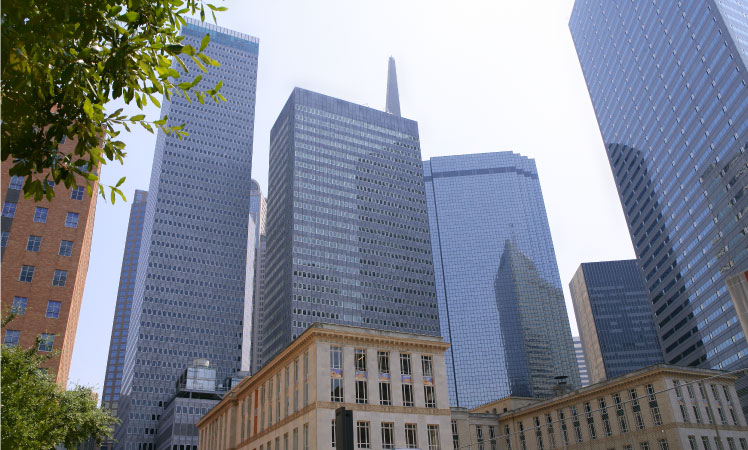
(130, 16)
(205, 41)
(217, 8)
(88, 108)
(137, 118)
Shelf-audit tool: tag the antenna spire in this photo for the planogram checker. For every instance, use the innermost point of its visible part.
(393, 96)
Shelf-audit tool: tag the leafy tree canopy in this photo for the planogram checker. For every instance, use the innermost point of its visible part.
(63, 61)
(36, 413)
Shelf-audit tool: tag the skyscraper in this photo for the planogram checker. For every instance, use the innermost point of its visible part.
(189, 297)
(45, 251)
(347, 228)
(614, 318)
(258, 213)
(497, 281)
(668, 84)
(121, 322)
(584, 376)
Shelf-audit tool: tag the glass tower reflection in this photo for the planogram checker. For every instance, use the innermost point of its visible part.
(668, 84)
(500, 300)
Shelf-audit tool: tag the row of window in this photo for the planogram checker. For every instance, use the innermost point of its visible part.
(16, 183)
(46, 340)
(40, 214)
(706, 444)
(34, 244)
(19, 307)
(27, 275)
(363, 435)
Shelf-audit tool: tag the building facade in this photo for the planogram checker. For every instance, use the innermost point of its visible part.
(497, 281)
(347, 229)
(394, 383)
(614, 318)
(45, 251)
(258, 213)
(121, 322)
(584, 375)
(668, 84)
(191, 282)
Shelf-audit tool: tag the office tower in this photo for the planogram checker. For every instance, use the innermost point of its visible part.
(258, 212)
(584, 376)
(497, 281)
(121, 323)
(190, 286)
(737, 285)
(347, 228)
(45, 251)
(614, 319)
(668, 85)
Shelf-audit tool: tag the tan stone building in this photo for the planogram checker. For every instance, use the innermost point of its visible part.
(45, 251)
(395, 384)
(662, 407)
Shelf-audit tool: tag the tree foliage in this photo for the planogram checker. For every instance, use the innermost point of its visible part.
(37, 414)
(63, 61)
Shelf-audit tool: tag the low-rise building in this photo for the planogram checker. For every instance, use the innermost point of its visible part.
(394, 383)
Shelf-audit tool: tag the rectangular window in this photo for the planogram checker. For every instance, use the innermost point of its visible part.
(623, 425)
(411, 439)
(507, 438)
(333, 433)
(71, 220)
(5, 236)
(722, 416)
(285, 441)
(731, 444)
(34, 243)
(53, 309)
(590, 420)
(40, 214)
(388, 435)
(678, 390)
(46, 342)
(492, 437)
(733, 416)
(575, 422)
(336, 390)
(692, 442)
(705, 443)
(743, 444)
(359, 356)
(362, 435)
(9, 209)
(427, 363)
(362, 392)
(11, 338)
(644, 445)
(429, 396)
(27, 274)
(718, 443)
(455, 436)
(697, 414)
(562, 421)
(306, 436)
(433, 433)
(16, 182)
(336, 358)
(66, 248)
(385, 394)
(479, 437)
(691, 393)
(19, 306)
(383, 362)
(408, 395)
(60, 278)
(77, 193)
(663, 444)
(709, 414)
(295, 442)
(405, 364)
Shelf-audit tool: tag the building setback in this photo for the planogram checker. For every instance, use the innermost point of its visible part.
(614, 319)
(584, 375)
(190, 287)
(347, 229)
(258, 213)
(496, 277)
(45, 251)
(668, 84)
(121, 322)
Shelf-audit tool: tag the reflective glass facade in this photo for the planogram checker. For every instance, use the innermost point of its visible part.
(614, 319)
(668, 86)
(189, 297)
(121, 323)
(347, 229)
(584, 376)
(258, 213)
(500, 300)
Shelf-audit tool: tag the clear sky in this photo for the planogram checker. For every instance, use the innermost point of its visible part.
(477, 76)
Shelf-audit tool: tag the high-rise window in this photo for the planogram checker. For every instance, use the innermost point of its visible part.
(66, 248)
(385, 393)
(433, 434)
(40, 214)
(19, 305)
(60, 277)
(34, 243)
(53, 309)
(77, 193)
(9, 209)
(5, 236)
(411, 435)
(46, 342)
(388, 435)
(71, 219)
(11, 338)
(363, 439)
(27, 274)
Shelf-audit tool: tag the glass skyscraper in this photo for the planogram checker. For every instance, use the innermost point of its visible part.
(121, 323)
(584, 376)
(347, 228)
(500, 300)
(614, 318)
(190, 295)
(668, 82)
(258, 212)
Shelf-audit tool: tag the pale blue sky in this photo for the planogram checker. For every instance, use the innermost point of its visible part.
(477, 76)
